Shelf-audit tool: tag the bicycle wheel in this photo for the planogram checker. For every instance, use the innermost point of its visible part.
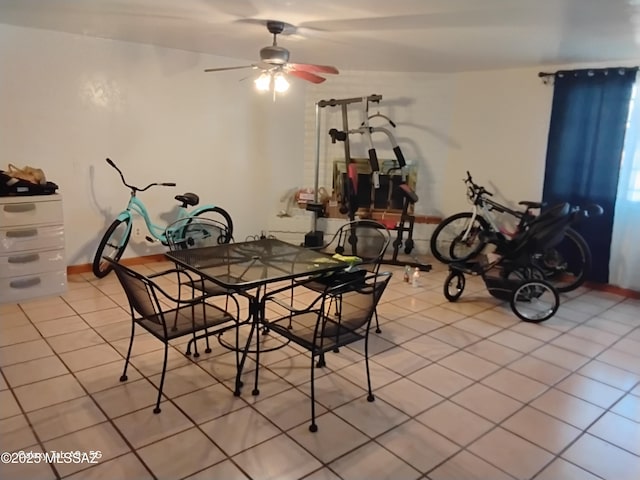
(566, 265)
(454, 285)
(447, 243)
(215, 213)
(111, 246)
(535, 301)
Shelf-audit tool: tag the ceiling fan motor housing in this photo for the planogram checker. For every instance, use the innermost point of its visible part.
(275, 55)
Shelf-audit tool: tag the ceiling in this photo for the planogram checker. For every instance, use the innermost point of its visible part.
(378, 35)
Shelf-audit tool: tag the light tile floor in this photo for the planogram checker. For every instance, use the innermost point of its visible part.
(463, 391)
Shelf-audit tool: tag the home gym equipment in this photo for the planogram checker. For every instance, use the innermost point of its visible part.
(349, 194)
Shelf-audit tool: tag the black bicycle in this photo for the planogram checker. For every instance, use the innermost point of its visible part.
(464, 235)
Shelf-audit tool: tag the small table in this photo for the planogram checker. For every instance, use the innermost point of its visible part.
(247, 266)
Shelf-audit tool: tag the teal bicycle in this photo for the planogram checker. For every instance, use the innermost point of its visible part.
(116, 238)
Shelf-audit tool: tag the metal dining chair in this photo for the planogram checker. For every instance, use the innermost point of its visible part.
(367, 240)
(198, 232)
(187, 315)
(316, 329)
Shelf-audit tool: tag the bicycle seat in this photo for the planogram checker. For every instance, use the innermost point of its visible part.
(532, 204)
(188, 199)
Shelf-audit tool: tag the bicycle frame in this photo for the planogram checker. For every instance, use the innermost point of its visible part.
(116, 238)
(158, 232)
(486, 206)
(478, 196)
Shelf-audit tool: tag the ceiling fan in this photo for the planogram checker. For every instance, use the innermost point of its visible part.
(274, 63)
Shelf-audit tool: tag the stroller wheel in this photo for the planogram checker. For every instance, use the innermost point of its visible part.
(454, 286)
(535, 300)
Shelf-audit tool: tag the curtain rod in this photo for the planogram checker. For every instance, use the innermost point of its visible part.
(553, 74)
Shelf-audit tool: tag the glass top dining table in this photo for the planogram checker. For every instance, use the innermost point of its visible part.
(247, 268)
(245, 265)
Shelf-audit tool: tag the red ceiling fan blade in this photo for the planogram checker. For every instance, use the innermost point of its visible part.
(228, 68)
(308, 67)
(308, 76)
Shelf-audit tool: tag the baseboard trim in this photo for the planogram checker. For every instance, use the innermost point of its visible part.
(159, 257)
(604, 287)
(87, 267)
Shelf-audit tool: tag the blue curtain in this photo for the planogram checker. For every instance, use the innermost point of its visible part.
(586, 138)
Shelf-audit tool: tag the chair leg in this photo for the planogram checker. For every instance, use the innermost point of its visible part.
(206, 342)
(164, 372)
(193, 342)
(245, 354)
(313, 427)
(239, 361)
(238, 381)
(375, 314)
(321, 363)
(256, 390)
(196, 354)
(123, 377)
(370, 397)
(206, 334)
(290, 326)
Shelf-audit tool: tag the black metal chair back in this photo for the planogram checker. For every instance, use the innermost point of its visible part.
(187, 316)
(366, 239)
(318, 330)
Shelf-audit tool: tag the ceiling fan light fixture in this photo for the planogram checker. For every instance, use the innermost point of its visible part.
(280, 84)
(263, 82)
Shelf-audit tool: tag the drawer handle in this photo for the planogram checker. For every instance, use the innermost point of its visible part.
(32, 232)
(33, 257)
(20, 207)
(26, 283)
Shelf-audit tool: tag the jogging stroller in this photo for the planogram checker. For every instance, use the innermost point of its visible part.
(512, 275)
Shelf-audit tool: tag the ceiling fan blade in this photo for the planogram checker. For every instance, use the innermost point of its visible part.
(308, 76)
(228, 68)
(308, 67)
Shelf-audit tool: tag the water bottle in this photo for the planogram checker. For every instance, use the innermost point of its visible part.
(415, 278)
(407, 273)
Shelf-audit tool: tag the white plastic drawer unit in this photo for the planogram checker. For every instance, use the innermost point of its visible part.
(18, 211)
(32, 237)
(28, 263)
(17, 289)
(32, 261)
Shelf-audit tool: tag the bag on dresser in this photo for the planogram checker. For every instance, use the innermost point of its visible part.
(25, 181)
(29, 174)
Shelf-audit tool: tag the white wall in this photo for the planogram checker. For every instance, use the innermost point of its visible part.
(70, 101)
(500, 127)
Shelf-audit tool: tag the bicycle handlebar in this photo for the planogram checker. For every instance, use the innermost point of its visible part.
(133, 187)
(477, 189)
